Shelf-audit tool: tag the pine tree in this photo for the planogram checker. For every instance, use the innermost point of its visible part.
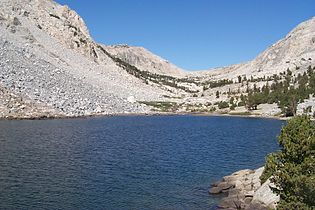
(239, 79)
(217, 94)
(292, 169)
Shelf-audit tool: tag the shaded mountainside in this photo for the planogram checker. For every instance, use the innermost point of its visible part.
(52, 66)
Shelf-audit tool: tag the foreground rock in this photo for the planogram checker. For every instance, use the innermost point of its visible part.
(244, 191)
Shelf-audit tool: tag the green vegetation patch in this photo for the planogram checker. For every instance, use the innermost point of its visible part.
(241, 113)
(223, 105)
(292, 169)
(219, 83)
(164, 106)
(287, 93)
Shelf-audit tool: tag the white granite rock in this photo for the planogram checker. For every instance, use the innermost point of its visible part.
(265, 195)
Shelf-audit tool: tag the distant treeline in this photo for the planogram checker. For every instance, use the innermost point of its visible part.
(287, 93)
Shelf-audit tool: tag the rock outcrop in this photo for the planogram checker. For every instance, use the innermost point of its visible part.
(244, 191)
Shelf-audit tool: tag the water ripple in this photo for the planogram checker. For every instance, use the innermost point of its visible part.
(157, 162)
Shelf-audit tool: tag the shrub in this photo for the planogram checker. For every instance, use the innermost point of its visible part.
(16, 21)
(212, 109)
(220, 83)
(217, 94)
(163, 106)
(239, 78)
(55, 16)
(293, 168)
(241, 103)
(232, 100)
(223, 104)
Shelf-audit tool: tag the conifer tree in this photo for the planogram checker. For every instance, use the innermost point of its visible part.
(292, 169)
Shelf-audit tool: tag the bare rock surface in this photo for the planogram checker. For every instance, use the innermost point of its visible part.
(265, 196)
(145, 60)
(295, 49)
(244, 191)
(15, 107)
(40, 61)
(307, 107)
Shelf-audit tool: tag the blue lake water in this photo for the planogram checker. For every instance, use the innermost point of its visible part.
(134, 162)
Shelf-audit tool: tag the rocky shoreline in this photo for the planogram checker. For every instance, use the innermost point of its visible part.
(51, 116)
(245, 191)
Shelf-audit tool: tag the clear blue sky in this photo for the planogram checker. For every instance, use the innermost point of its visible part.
(194, 34)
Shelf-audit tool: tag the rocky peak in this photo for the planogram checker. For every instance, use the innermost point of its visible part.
(58, 21)
(296, 47)
(295, 50)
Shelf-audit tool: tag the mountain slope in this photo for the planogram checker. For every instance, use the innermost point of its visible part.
(42, 62)
(50, 66)
(296, 49)
(145, 60)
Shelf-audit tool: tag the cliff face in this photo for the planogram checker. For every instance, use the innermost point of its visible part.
(57, 21)
(50, 63)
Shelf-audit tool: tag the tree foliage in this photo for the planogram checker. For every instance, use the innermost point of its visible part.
(293, 168)
(220, 83)
(286, 93)
(217, 94)
(223, 105)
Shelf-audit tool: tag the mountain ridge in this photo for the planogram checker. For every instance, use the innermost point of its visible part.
(145, 60)
(49, 59)
(267, 55)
